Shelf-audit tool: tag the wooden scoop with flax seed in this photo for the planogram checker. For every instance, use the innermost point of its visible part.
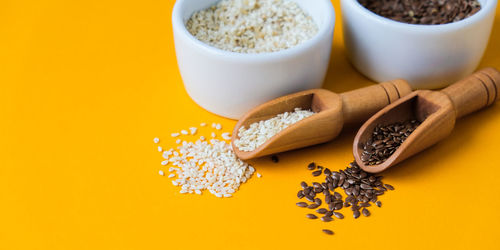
(436, 111)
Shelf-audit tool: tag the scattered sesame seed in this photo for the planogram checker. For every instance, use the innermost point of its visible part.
(193, 130)
(161, 173)
(203, 124)
(156, 139)
(160, 149)
(226, 136)
(259, 175)
(184, 132)
(166, 154)
(218, 127)
(206, 165)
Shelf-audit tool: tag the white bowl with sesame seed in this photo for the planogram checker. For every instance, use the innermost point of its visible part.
(230, 83)
(427, 56)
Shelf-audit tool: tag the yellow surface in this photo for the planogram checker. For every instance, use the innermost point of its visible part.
(87, 85)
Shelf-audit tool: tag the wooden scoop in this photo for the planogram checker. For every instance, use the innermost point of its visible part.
(332, 112)
(437, 112)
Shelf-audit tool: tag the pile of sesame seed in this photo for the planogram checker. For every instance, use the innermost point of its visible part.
(205, 165)
(258, 133)
(252, 26)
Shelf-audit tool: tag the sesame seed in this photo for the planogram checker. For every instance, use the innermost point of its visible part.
(213, 135)
(226, 136)
(259, 175)
(166, 154)
(202, 138)
(156, 140)
(197, 191)
(163, 163)
(171, 175)
(252, 26)
(259, 132)
(178, 141)
(184, 132)
(175, 134)
(160, 149)
(203, 124)
(218, 127)
(161, 173)
(193, 130)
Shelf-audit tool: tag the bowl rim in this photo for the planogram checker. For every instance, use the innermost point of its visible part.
(323, 33)
(480, 15)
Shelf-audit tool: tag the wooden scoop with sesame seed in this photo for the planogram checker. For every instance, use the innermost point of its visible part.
(332, 112)
(437, 112)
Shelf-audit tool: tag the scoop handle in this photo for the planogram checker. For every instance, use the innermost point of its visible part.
(358, 105)
(475, 92)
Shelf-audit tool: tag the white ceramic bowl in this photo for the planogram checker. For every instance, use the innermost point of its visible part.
(230, 84)
(428, 56)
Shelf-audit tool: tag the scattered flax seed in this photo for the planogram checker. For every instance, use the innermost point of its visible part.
(161, 173)
(326, 231)
(156, 139)
(275, 158)
(171, 175)
(259, 132)
(175, 134)
(184, 132)
(160, 149)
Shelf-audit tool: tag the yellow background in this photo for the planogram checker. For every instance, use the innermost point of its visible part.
(87, 85)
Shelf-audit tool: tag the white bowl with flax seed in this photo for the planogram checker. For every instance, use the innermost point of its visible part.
(427, 56)
(230, 83)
